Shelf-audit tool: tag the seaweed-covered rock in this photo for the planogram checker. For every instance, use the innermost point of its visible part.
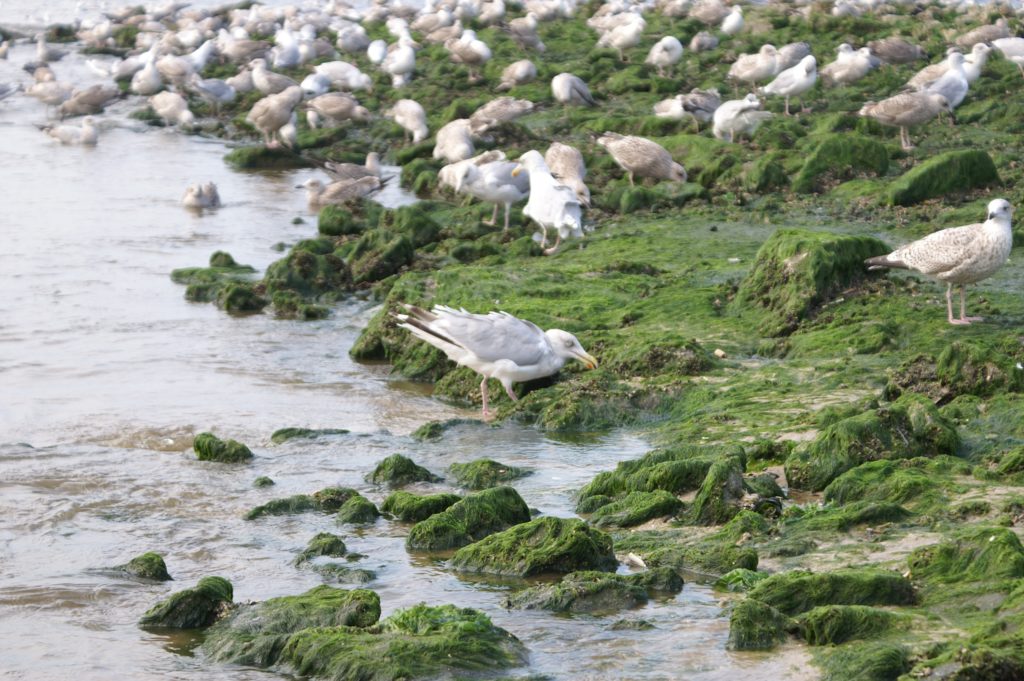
(265, 158)
(739, 579)
(841, 156)
(323, 544)
(830, 624)
(798, 591)
(237, 297)
(484, 473)
(764, 484)
(358, 509)
(149, 565)
(754, 625)
(338, 221)
(595, 592)
(263, 481)
(412, 508)
(911, 426)
(540, 546)
(209, 447)
(952, 171)
(975, 554)
(256, 634)
(379, 254)
(470, 519)
(200, 606)
(433, 430)
(796, 271)
(336, 573)
(416, 224)
(310, 270)
(420, 642)
(880, 481)
(868, 661)
(636, 508)
(962, 368)
(713, 555)
(327, 500)
(722, 488)
(398, 470)
(282, 435)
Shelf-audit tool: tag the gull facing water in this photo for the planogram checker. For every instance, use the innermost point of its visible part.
(495, 345)
(958, 255)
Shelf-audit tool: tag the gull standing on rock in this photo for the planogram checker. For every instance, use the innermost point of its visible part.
(454, 142)
(524, 32)
(318, 194)
(641, 157)
(266, 81)
(410, 115)
(906, 110)
(569, 89)
(495, 345)
(958, 255)
(338, 107)
(172, 108)
(354, 171)
(896, 50)
(700, 104)
(273, 112)
(493, 182)
(953, 84)
(738, 118)
(665, 54)
(794, 81)
(496, 112)
(469, 50)
(551, 205)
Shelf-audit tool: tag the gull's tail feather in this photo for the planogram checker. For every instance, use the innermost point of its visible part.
(882, 262)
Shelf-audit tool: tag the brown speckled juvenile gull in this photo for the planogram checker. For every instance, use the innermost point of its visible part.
(318, 194)
(896, 50)
(568, 167)
(498, 111)
(906, 110)
(958, 255)
(754, 68)
(641, 157)
(354, 171)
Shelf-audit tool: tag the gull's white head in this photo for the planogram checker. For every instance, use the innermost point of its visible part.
(999, 209)
(531, 160)
(568, 346)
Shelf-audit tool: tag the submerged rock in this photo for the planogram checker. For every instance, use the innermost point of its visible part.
(796, 271)
(147, 566)
(265, 158)
(323, 544)
(398, 470)
(484, 473)
(540, 546)
(358, 509)
(310, 270)
(412, 508)
(209, 447)
(470, 519)
(327, 500)
(282, 435)
(200, 606)
(596, 592)
(336, 573)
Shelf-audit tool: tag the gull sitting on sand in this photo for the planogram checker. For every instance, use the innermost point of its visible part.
(495, 345)
(958, 255)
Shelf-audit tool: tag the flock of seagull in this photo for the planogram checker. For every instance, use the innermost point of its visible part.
(175, 43)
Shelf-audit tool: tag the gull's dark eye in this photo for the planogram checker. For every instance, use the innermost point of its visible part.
(568, 343)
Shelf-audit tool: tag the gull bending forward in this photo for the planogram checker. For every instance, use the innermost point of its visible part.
(551, 203)
(958, 255)
(495, 345)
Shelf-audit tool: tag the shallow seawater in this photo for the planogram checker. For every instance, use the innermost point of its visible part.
(106, 373)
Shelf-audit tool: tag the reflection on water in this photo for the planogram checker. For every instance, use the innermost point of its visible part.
(107, 373)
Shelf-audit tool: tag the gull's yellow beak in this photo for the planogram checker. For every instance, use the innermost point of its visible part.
(517, 170)
(588, 360)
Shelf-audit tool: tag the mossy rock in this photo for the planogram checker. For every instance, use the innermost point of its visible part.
(209, 447)
(544, 545)
(336, 573)
(378, 255)
(595, 592)
(797, 271)
(484, 473)
(839, 157)
(754, 625)
(831, 624)
(327, 500)
(149, 565)
(420, 642)
(971, 555)
(869, 661)
(415, 223)
(200, 606)
(718, 497)
(256, 634)
(238, 298)
(265, 158)
(765, 485)
(911, 426)
(263, 481)
(636, 508)
(412, 508)
(434, 430)
(713, 555)
(798, 591)
(468, 520)
(337, 221)
(398, 470)
(952, 171)
(881, 481)
(282, 435)
(962, 368)
(311, 270)
(359, 510)
(739, 579)
(766, 174)
(323, 544)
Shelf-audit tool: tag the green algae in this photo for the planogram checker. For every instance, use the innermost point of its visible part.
(283, 435)
(882, 481)
(323, 544)
(148, 565)
(484, 473)
(636, 508)
(257, 634)
(544, 545)
(869, 661)
(975, 554)
(397, 471)
(831, 624)
(596, 592)
(310, 270)
(199, 606)
(209, 447)
(358, 509)
(336, 573)
(839, 157)
(739, 579)
(263, 481)
(265, 158)
(953, 171)
(413, 508)
(798, 591)
(327, 500)
(754, 625)
(717, 498)
(470, 519)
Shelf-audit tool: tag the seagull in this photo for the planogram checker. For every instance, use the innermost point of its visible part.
(495, 345)
(71, 134)
(665, 54)
(353, 171)
(200, 196)
(496, 112)
(733, 23)
(273, 112)
(410, 115)
(907, 109)
(454, 142)
(551, 204)
(794, 81)
(568, 167)
(492, 182)
(517, 73)
(318, 194)
(738, 117)
(570, 89)
(172, 108)
(641, 157)
(753, 68)
(958, 255)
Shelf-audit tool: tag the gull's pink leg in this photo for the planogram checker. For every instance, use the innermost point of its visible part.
(963, 312)
(483, 393)
(512, 395)
(949, 307)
